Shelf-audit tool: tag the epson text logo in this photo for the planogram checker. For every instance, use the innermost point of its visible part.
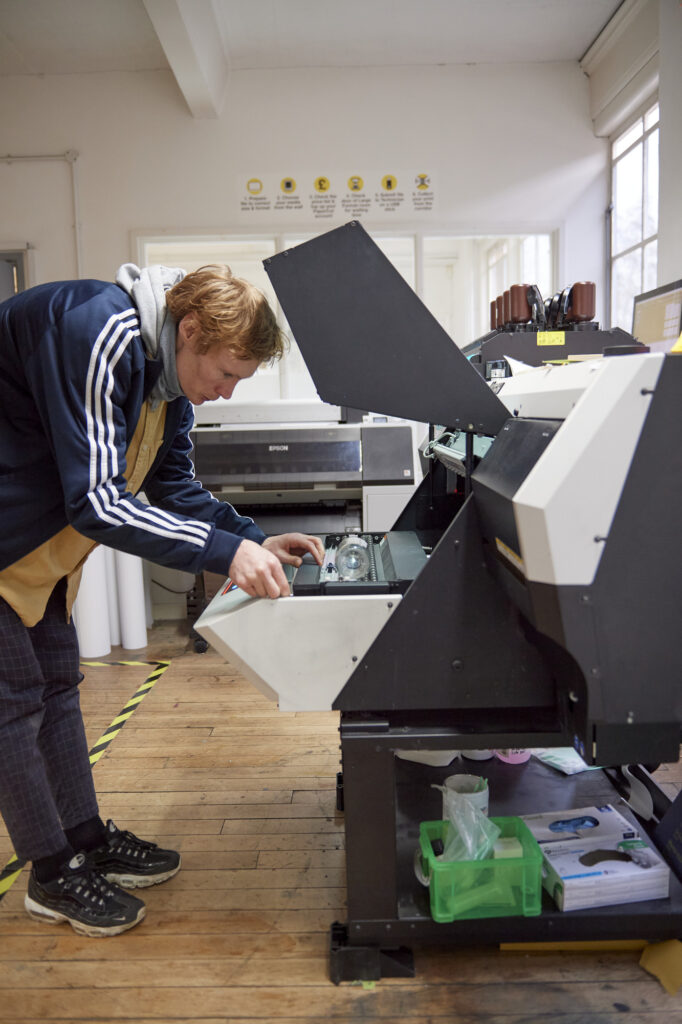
(278, 447)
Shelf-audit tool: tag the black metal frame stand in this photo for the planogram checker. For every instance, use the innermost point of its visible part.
(385, 798)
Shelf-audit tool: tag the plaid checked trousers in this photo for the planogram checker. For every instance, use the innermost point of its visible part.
(45, 774)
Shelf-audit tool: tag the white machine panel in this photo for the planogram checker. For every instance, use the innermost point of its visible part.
(565, 507)
(299, 651)
(547, 392)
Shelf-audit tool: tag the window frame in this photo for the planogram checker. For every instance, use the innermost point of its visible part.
(612, 257)
(296, 375)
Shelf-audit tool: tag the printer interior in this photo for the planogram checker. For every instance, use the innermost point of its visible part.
(362, 563)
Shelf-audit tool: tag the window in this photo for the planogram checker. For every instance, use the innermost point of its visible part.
(497, 265)
(444, 284)
(462, 276)
(634, 215)
(536, 263)
(456, 277)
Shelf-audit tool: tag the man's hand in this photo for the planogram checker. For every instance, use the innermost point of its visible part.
(290, 547)
(256, 568)
(257, 571)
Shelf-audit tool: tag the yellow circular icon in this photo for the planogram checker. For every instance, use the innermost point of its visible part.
(389, 183)
(254, 186)
(287, 185)
(355, 184)
(422, 181)
(322, 184)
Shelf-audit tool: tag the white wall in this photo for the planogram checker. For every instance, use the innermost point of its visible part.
(510, 149)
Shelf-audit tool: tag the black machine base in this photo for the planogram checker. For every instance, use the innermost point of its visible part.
(386, 797)
(365, 963)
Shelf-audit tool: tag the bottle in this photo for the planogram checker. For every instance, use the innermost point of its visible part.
(352, 558)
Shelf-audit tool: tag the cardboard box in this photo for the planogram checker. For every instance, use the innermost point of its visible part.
(595, 857)
(579, 823)
(581, 873)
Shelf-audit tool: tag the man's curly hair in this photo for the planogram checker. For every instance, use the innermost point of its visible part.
(231, 312)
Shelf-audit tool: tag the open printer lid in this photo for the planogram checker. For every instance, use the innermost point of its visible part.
(369, 342)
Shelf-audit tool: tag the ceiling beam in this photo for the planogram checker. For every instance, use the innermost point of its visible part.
(190, 36)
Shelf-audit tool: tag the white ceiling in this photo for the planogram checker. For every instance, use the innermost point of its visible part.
(202, 40)
(306, 33)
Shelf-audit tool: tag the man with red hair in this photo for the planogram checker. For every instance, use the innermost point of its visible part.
(97, 387)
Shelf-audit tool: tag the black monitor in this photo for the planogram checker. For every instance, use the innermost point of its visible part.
(657, 317)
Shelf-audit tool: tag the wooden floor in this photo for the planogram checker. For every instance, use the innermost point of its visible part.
(240, 935)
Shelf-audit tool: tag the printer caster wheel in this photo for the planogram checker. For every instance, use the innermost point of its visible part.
(200, 645)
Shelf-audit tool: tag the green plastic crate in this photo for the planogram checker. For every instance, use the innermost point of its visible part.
(494, 887)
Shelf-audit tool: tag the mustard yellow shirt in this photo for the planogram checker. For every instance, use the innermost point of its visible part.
(26, 585)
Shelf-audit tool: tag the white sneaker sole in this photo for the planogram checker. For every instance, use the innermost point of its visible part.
(40, 913)
(140, 881)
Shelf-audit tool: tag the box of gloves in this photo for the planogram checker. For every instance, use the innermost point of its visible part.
(594, 857)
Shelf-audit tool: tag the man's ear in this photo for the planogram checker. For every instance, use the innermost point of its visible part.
(188, 328)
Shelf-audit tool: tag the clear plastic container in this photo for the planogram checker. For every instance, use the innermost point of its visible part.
(494, 887)
(352, 558)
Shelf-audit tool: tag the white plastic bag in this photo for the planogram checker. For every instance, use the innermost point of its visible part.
(471, 835)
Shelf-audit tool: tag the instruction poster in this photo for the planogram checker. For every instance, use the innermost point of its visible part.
(333, 197)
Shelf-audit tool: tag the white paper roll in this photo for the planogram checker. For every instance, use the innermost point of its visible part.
(131, 606)
(91, 608)
(146, 575)
(112, 597)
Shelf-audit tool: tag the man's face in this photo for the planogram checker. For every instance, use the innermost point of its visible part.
(213, 374)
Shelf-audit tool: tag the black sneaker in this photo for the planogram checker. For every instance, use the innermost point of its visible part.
(132, 862)
(81, 896)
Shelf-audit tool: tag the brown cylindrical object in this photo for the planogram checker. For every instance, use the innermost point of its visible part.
(582, 302)
(520, 311)
(506, 307)
(493, 315)
(500, 311)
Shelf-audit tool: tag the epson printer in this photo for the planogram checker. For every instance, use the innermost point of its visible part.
(306, 465)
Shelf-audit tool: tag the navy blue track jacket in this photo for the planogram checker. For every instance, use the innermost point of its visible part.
(73, 377)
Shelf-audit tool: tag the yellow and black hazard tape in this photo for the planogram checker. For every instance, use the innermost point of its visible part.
(10, 873)
(125, 713)
(14, 866)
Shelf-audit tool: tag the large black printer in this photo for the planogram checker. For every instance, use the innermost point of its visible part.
(528, 595)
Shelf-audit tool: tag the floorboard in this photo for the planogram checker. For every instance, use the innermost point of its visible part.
(248, 795)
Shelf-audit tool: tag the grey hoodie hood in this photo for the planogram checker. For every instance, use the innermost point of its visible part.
(147, 288)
